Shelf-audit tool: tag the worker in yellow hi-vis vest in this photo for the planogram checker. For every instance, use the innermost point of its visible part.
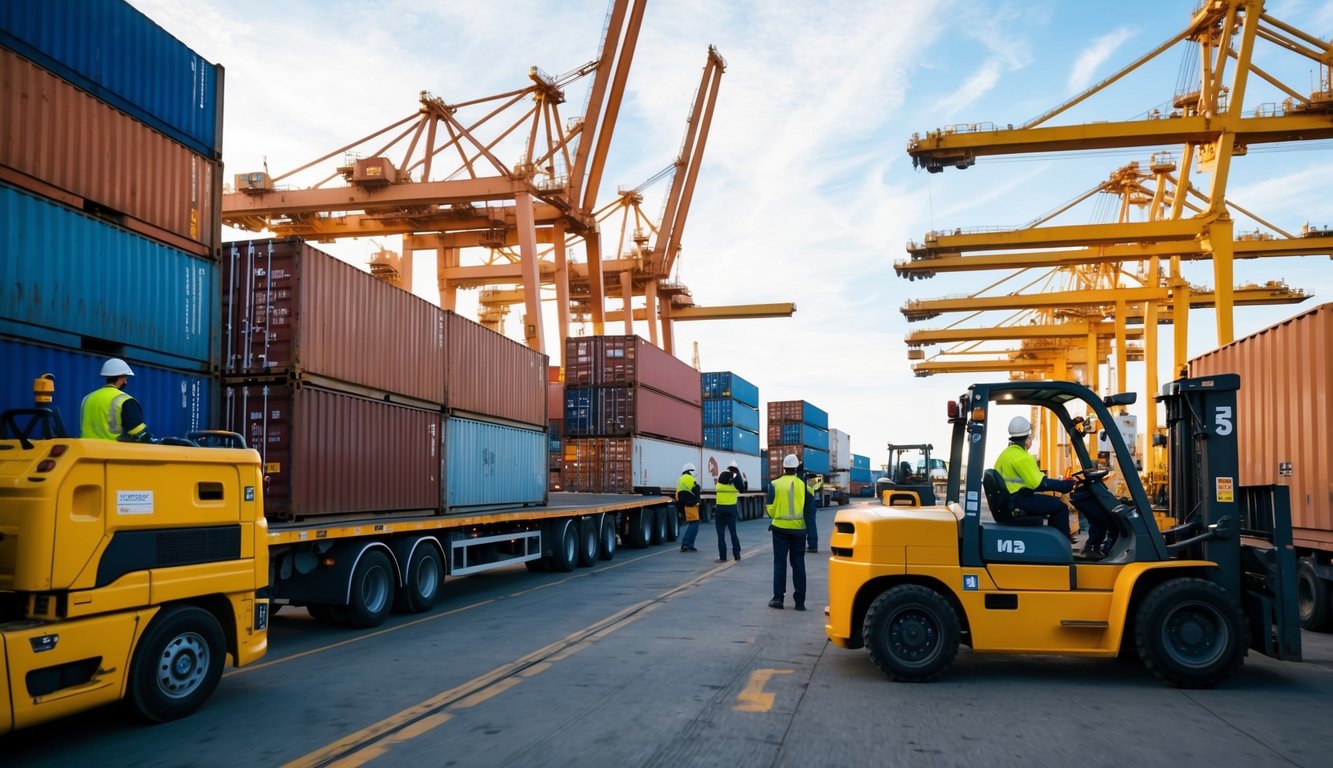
(108, 412)
(788, 498)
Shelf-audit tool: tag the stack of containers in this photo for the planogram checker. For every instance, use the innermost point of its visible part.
(796, 426)
(109, 193)
(555, 425)
(730, 428)
(632, 415)
(840, 459)
(863, 482)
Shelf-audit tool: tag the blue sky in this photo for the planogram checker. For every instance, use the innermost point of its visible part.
(806, 193)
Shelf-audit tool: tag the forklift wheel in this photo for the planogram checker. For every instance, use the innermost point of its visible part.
(1313, 598)
(911, 633)
(1190, 633)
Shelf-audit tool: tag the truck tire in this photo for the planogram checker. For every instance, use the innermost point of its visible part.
(658, 534)
(590, 537)
(912, 633)
(370, 598)
(673, 523)
(606, 548)
(565, 546)
(1190, 633)
(177, 664)
(422, 581)
(1313, 597)
(641, 527)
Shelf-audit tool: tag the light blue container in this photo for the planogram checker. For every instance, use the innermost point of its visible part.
(815, 417)
(725, 385)
(861, 475)
(732, 439)
(493, 465)
(119, 55)
(860, 462)
(815, 461)
(174, 402)
(729, 413)
(805, 434)
(77, 281)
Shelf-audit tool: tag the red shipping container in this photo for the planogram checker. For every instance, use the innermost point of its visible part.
(64, 144)
(289, 308)
(625, 360)
(624, 411)
(491, 375)
(329, 454)
(555, 400)
(775, 455)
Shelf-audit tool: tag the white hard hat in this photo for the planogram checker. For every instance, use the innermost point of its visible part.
(689, 467)
(1019, 427)
(790, 461)
(115, 367)
(733, 465)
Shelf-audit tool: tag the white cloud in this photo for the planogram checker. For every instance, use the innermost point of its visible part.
(1101, 49)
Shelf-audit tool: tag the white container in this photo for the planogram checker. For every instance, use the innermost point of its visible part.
(715, 461)
(657, 463)
(839, 450)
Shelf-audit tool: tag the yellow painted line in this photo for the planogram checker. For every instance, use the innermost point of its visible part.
(754, 698)
(381, 748)
(486, 695)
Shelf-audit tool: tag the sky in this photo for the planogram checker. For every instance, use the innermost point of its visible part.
(806, 193)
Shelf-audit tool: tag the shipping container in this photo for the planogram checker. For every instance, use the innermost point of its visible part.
(725, 385)
(493, 465)
(329, 454)
(174, 402)
(796, 433)
(628, 360)
(860, 462)
(797, 410)
(289, 308)
(62, 143)
(839, 450)
(624, 464)
(76, 281)
(119, 55)
(730, 413)
(491, 375)
(732, 439)
(1284, 410)
(625, 411)
(862, 475)
(714, 461)
(555, 400)
(812, 460)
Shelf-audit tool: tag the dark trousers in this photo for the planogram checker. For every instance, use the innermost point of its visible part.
(1100, 529)
(789, 546)
(724, 519)
(1049, 507)
(811, 534)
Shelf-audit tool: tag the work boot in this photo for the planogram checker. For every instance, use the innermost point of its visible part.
(775, 603)
(735, 555)
(800, 606)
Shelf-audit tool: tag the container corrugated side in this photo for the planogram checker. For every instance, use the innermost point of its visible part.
(493, 465)
(1284, 410)
(861, 475)
(839, 449)
(69, 275)
(329, 454)
(732, 439)
(624, 411)
(812, 460)
(100, 159)
(491, 375)
(797, 410)
(624, 464)
(292, 309)
(119, 55)
(797, 433)
(625, 360)
(714, 461)
(174, 402)
(725, 385)
(727, 412)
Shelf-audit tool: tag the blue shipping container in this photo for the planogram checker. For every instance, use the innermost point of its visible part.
(815, 416)
(732, 439)
(119, 55)
(69, 275)
(730, 413)
(805, 434)
(861, 475)
(174, 402)
(860, 462)
(815, 461)
(493, 465)
(723, 385)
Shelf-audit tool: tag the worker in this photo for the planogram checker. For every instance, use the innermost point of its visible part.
(737, 477)
(814, 482)
(1024, 479)
(108, 412)
(724, 515)
(788, 498)
(687, 502)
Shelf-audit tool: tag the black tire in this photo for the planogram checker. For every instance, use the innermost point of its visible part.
(423, 580)
(590, 536)
(1190, 633)
(673, 524)
(912, 633)
(606, 547)
(370, 598)
(565, 546)
(658, 534)
(641, 527)
(177, 664)
(1313, 597)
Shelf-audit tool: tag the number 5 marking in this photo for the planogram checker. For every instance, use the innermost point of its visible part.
(1223, 420)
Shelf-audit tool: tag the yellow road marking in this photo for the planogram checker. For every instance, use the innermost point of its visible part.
(754, 698)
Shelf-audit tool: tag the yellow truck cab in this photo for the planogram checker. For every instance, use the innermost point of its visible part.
(127, 571)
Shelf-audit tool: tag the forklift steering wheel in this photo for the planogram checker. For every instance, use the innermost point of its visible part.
(1090, 476)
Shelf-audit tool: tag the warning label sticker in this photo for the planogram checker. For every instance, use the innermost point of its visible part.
(1226, 490)
(134, 502)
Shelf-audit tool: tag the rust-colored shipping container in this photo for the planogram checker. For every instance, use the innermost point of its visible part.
(289, 308)
(489, 374)
(1284, 415)
(625, 360)
(329, 454)
(61, 143)
(555, 400)
(625, 411)
(776, 453)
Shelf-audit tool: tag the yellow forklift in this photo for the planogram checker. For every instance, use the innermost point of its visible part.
(911, 584)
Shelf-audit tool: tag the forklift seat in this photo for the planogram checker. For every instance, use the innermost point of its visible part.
(997, 497)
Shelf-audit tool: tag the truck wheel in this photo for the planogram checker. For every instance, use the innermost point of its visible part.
(641, 527)
(565, 546)
(590, 536)
(1312, 597)
(371, 596)
(1190, 633)
(422, 582)
(606, 548)
(659, 519)
(177, 664)
(673, 525)
(912, 633)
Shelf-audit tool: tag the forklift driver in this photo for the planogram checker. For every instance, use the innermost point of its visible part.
(1024, 478)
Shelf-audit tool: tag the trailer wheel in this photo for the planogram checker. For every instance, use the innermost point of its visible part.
(673, 524)
(371, 595)
(641, 527)
(565, 545)
(422, 582)
(659, 531)
(177, 664)
(590, 537)
(911, 633)
(1313, 597)
(1190, 633)
(606, 548)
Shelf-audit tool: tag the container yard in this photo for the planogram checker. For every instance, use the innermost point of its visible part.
(339, 451)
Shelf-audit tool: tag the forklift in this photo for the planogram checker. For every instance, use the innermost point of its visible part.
(912, 584)
(910, 483)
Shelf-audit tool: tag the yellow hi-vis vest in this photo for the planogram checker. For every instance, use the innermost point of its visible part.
(788, 507)
(1018, 468)
(727, 495)
(101, 413)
